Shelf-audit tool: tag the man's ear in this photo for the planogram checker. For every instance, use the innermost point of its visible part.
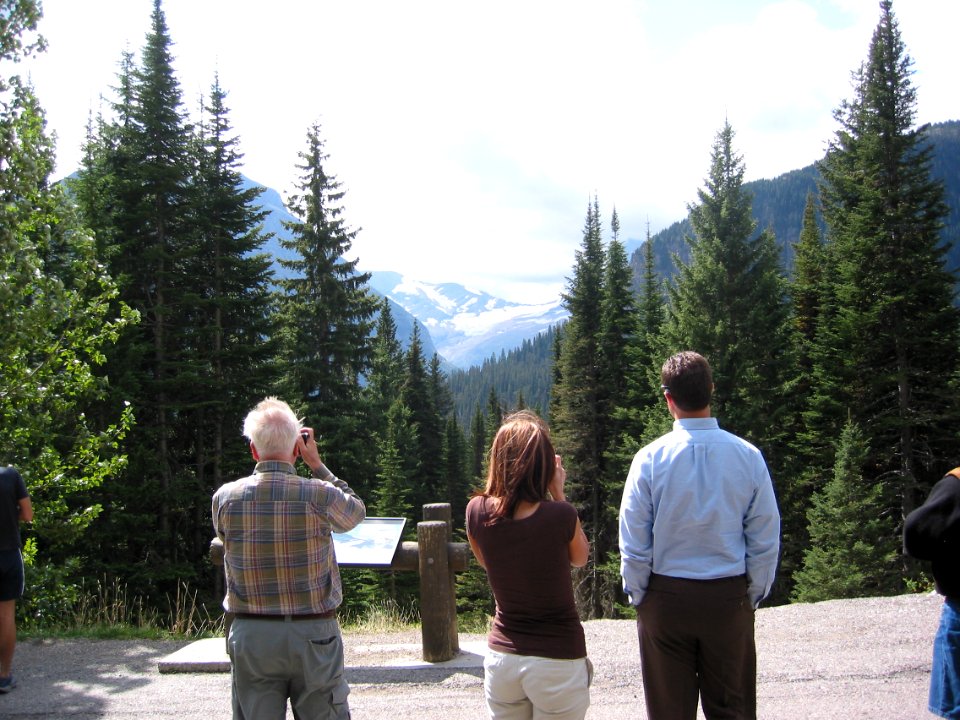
(671, 405)
(253, 451)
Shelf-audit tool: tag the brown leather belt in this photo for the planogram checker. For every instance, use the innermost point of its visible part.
(288, 618)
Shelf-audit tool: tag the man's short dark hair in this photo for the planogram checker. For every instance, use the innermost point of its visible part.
(689, 380)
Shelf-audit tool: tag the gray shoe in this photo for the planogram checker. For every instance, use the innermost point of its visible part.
(7, 684)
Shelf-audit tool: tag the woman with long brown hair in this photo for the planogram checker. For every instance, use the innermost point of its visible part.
(526, 536)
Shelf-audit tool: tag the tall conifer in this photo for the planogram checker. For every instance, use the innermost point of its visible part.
(478, 449)
(802, 459)
(618, 334)
(136, 189)
(418, 393)
(889, 329)
(644, 414)
(230, 292)
(326, 317)
(729, 302)
(578, 421)
(386, 368)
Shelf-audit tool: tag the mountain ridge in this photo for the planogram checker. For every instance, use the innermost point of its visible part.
(778, 204)
(467, 326)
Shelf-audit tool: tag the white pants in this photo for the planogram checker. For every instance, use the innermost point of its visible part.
(525, 687)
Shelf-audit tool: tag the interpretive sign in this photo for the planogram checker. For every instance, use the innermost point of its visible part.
(373, 542)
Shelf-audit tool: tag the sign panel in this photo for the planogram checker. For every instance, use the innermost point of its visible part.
(372, 542)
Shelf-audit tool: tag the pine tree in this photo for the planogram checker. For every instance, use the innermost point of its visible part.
(478, 449)
(158, 240)
(494, 415)
(440, 396)
(644, 415)
(578, 422)
(729, 302)
(326, 320)
(136, 190)
(806, 289)
(397, 469)
(802, 459)
(458, 482)
(398, 476)
(103, 187)
(619, 332)
(851, 552)
(386, 369)
(454, 484)
(418, 394)
(232, 306)
(889, 328)
(619, 326)
(651, 304)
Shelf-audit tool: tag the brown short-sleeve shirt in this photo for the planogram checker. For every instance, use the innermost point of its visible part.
(528, 566)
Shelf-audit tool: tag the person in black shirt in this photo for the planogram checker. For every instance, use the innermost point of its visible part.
(15, 507)
(932, 532)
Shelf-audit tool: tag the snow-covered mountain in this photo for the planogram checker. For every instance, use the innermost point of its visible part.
(467, 326)
(464, 327)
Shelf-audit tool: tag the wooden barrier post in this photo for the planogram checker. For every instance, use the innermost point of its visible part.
(442, 512)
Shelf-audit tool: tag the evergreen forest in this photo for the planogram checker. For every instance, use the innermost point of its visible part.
(142, 319)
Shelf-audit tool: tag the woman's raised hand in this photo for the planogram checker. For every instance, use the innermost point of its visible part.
(555, 487)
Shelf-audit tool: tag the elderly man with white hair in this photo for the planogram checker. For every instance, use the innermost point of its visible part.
(283, 585)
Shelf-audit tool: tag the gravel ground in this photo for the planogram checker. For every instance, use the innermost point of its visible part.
(867, 658)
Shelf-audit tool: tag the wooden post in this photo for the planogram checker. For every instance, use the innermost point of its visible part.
(435, 593)
(441, 511)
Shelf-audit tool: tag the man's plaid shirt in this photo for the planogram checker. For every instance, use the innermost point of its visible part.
(276, 530)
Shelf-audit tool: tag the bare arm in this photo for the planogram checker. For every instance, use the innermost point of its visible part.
(476, 552)
(579, 547)
(26, 510)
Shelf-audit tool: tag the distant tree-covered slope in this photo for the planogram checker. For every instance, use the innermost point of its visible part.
(778, 205)
(523, 374)
(946, 166)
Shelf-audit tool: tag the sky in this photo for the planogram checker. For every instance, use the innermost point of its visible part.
(471, 137)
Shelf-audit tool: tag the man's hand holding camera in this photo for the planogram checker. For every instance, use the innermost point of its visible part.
(307, 446)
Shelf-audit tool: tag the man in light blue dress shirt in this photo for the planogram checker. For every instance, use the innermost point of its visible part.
(699, 544)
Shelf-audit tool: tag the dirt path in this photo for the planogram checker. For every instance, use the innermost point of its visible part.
(837, 660)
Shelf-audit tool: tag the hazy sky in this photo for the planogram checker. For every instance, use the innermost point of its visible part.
(471, 136)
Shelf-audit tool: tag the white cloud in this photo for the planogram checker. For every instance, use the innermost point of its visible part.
(471, 137)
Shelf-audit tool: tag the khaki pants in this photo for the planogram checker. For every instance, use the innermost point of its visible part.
(525, 687)
(272, 660)
(697, 640)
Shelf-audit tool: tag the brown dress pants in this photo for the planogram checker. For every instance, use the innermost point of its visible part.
(697, 640)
